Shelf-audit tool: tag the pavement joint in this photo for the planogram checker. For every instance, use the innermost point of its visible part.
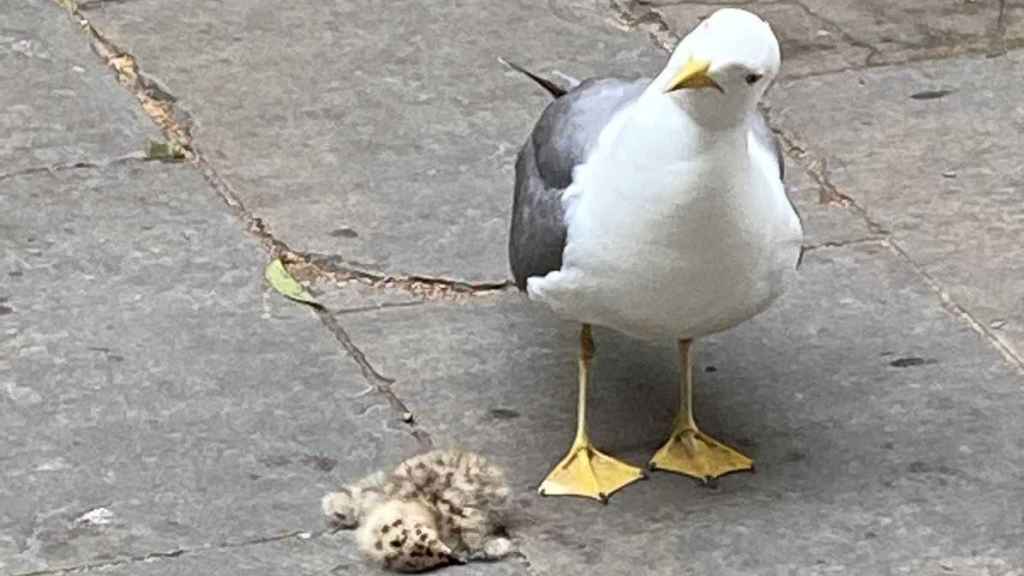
(93, 4)
(849, 38)
(170, 554)
(650, 19)
(380, 383)
(998, 42)
(128, 158)
(963, 49)
(337, 269)
(376, 307)
(878, 240)
(159, 104)
(634, 15)
(956, 309)
(818, 170)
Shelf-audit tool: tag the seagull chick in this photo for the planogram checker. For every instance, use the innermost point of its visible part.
(439, 508)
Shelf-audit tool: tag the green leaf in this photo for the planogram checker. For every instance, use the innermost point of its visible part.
(285, 284)
(167, 151)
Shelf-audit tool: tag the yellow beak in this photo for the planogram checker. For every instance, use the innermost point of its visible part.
(694, 75)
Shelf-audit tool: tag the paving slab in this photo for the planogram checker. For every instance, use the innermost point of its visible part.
(155, 395)
(917, 29)
(825, 221)
(380, 133)
(822, 36)
(56, 105)
(810, 44)
(324, 554)
(932, 152)
(884, 429)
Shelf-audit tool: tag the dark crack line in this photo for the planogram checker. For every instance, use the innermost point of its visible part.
(664, 37)
(418, 284)
(877, 240)
(956, 309)
(93, 4)
(81, 164)
(998, 43)
(381, 383)
(637, 16)
(820, 175)
(959, 51)
(850, 39)
(127, 560)
(375, 307)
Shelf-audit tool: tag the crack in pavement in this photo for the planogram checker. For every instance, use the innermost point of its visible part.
(165, 110)
(634, 15)
(177, 552)
(997, 45)
(877, 240)
(80, 164)
(957, 51)
(849, 38)
(958, 310)
(649, 18)
(93, 4)
(818, 170)
(382, 384)
(336, 268)
(375, 307)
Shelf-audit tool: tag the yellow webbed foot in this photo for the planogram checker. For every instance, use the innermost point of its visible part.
(588, 473)
(693, 453)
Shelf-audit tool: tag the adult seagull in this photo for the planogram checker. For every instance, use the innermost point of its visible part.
(657, 208)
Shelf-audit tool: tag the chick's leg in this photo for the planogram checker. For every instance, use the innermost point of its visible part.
(688, 450)
(584, 471)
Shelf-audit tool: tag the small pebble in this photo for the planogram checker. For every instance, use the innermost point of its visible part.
(949, 174)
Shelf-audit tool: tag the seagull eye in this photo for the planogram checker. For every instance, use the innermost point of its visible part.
(753, 78)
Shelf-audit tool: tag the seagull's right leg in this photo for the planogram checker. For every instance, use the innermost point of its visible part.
(584, 471)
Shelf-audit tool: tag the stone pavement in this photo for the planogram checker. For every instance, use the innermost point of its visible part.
(164, 412)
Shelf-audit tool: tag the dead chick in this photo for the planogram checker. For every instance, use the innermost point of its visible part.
(346, 507)
(434, 509)
(402, 536)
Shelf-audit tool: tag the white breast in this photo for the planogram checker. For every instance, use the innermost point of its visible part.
(671, 234)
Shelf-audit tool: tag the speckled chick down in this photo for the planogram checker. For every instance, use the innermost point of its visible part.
(434, 509)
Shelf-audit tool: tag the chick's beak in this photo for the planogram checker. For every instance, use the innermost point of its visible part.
(694, 75)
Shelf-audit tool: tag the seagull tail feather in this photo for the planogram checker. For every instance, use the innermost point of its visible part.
(552, 88)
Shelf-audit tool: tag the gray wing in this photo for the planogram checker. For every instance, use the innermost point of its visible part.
(763, 133)
(769, 140)
(561, 140)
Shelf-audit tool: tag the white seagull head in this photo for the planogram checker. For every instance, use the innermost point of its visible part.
(721, 69)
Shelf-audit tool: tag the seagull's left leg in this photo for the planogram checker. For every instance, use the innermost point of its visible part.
(688, 450)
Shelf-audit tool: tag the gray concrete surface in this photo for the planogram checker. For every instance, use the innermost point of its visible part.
(164, 412)
(875, 448)
(951, 193)
(432, 120)
(56, 107)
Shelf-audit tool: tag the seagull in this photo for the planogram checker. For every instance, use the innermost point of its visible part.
(657, 208)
